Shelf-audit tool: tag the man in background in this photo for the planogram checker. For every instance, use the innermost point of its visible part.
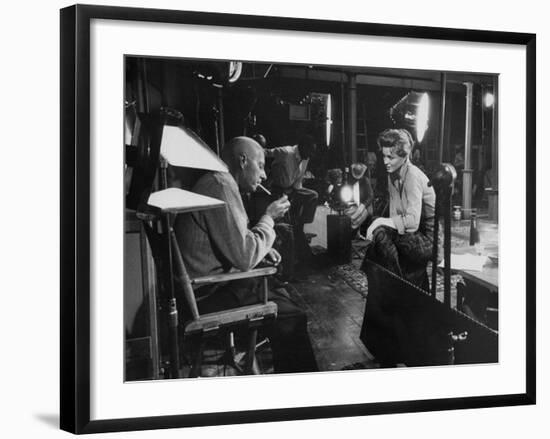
(288, 169)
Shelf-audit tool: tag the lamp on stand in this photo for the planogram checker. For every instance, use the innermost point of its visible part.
(165, 141)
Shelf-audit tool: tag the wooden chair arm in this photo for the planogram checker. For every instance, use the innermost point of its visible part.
(243, 315)
(224, 277)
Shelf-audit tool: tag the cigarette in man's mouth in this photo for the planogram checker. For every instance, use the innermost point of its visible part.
(264, 189)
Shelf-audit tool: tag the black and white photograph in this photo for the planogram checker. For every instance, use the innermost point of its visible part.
(296, 218)
(271, 218)
(244, 219)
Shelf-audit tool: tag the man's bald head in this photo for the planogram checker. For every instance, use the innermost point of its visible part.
(245, 159)
(236, 147)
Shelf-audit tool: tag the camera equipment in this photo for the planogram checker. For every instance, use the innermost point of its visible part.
(343, 191)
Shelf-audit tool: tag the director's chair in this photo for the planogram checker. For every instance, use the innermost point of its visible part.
(164, 141)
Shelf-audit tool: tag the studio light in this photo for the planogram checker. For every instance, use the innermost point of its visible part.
(412, 112)
(165, 141)
(329, 119)
(339, 225)
(488, 99)
(182, 147)
(422, 116)
(235, 70)
(346, 194)
(163, 138)
(219, 74)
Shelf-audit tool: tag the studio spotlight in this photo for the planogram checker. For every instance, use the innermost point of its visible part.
(235, 70)
(488, 99)
(412, 112)
(328, 119)
(219, 74)
(346, 194)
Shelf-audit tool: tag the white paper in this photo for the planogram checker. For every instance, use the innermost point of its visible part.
(467, 262)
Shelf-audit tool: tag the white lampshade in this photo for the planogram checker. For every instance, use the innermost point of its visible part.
(174, 200)
(182, 147)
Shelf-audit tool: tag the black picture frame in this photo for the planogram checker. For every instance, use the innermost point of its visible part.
(75, 217)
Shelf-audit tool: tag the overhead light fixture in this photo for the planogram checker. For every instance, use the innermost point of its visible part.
(412, 112)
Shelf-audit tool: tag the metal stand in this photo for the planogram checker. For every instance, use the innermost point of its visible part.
(443, 183)
(339, 238)
(172, 302)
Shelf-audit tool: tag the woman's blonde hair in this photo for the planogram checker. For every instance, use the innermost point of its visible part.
(399, 140)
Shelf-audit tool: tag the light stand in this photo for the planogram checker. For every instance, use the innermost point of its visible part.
(443, 183)
(339, 234)
(172, 303)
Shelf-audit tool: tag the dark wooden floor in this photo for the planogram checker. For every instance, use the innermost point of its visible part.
(335, 314)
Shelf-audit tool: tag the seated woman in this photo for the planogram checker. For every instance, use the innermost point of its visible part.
(403, 243)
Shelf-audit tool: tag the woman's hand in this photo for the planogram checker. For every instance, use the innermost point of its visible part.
(273, 257)
(377, 223)
(358, 214)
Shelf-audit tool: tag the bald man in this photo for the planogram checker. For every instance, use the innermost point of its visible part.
(217, 240)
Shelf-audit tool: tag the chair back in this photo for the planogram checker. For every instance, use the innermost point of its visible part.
(184, 288)
(158, 244)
